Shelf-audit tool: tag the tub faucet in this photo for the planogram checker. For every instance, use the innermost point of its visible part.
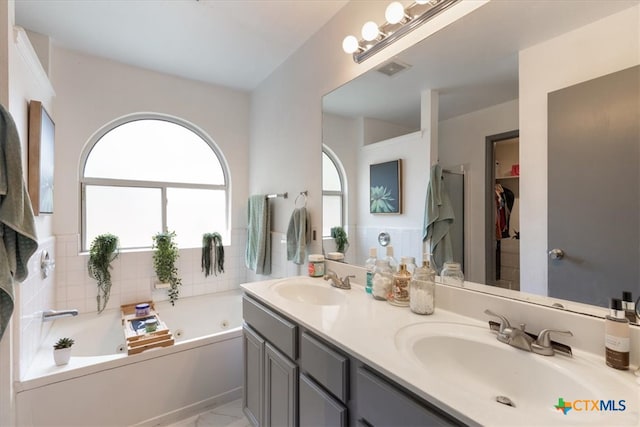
(336, 281)
(49, 315)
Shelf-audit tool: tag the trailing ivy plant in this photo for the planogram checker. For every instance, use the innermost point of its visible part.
(340, 237)
(165, 256)
(103, 250)
(209, 242)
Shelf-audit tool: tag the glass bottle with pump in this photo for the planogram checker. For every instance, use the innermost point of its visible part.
(393, 264)
(616, 341)
(370, 265)
(422, 287)
(400, 291)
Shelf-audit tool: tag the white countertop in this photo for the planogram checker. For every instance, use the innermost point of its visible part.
(366, 328)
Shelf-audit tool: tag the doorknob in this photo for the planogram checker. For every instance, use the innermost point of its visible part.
(556, 253)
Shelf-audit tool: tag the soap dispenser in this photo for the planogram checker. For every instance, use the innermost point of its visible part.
(616, 341)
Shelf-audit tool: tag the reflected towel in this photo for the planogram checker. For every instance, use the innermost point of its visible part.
(298, 234)
(258, 252)
(438, 218)
(18, 240)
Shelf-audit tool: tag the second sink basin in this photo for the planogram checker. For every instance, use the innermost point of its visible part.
(308, 291)
(498, 378)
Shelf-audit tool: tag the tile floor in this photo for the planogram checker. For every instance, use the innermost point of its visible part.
(228, 415)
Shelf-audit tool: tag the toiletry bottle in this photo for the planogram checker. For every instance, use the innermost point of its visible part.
(422, 290)
(399, 295)
(370, 265)
(616, 341)
(392, 261)
(410, 262)
(628, 306)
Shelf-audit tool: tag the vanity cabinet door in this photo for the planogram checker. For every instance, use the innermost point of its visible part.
(280, 389)
(252, 395)
(319, 408)
(381, 403)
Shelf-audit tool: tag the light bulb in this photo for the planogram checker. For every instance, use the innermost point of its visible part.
(350, 44)
(394, 12)
(370, 31)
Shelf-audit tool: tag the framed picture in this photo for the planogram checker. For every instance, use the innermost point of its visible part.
(41, 143)
(385, 184)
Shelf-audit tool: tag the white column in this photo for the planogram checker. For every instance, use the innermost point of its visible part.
(429, 104)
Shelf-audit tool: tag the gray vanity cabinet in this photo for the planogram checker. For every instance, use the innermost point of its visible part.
(270, 396)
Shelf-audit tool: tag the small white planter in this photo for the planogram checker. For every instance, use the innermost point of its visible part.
(62, 356)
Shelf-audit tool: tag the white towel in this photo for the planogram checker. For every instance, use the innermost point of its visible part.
(298, 234)
(18, 240)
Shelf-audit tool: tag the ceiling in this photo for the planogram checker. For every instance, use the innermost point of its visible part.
(233, 43)
(472, 63)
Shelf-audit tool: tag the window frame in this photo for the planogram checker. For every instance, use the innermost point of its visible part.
(162, 185)
(341, 193)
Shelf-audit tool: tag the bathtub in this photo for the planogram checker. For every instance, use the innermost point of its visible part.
(102, 386)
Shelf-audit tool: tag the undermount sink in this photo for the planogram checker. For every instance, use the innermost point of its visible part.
(495, 377)
(308, 291)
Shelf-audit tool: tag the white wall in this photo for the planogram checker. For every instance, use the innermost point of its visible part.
(461, 141)
(601, 48)
(286, 109)
(92, 92)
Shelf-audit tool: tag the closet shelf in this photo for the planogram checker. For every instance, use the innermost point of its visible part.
(508, 177)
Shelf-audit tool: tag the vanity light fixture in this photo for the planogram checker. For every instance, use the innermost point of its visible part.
(399, 21)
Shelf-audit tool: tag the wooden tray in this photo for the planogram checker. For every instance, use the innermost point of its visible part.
(138, 340)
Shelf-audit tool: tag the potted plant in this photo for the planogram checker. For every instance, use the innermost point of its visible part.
(340, 237)
(165, 256)
(209, 242)
(102, 252)
(62, 351)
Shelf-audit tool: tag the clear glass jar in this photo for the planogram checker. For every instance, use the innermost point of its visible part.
(422, 290)
(382, 280)
(400, 291)
(393, 264)
(452, 274)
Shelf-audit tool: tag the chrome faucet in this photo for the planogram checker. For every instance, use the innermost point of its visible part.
(336, 281)
(49, 315)
(519, 338)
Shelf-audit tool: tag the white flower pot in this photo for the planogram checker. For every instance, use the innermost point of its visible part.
(62, 356)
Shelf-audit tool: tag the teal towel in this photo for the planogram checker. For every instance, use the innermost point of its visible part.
(298, 234)
(438, 218)
(258, 252)
(18, 240)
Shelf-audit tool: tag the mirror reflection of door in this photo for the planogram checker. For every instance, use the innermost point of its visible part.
(503, 211)
(594, 136)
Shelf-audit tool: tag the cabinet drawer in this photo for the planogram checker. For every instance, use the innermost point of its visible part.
(273, 327)
(328, 367)
(318, 408)
(381, 403)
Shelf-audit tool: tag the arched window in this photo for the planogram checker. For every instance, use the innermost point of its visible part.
(149, 173)
(332, 193)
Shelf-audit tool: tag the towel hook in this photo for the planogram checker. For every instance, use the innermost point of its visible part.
(302, 194)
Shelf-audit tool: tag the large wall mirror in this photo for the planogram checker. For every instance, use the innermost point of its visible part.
(538, 100)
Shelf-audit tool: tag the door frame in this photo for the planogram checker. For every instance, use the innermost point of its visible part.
(489, 206)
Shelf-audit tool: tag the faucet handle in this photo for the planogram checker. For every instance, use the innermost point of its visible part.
(345, 281)
(544, 339)
(504, 323)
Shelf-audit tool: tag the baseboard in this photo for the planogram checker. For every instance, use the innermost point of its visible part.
(191, 410)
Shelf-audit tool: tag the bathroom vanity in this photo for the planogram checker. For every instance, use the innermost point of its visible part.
(317, 355)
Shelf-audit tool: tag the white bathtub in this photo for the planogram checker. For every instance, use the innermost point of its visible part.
(102, 386)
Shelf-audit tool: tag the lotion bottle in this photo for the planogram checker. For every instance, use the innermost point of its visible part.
(616, 341)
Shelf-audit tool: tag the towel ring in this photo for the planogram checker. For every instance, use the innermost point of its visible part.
(302, 194)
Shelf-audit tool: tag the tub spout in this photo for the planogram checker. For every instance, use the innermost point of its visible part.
(50, 315)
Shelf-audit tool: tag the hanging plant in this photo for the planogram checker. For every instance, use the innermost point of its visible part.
(102, 252)
(209, 242)
(340, 237)
(165, 256)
